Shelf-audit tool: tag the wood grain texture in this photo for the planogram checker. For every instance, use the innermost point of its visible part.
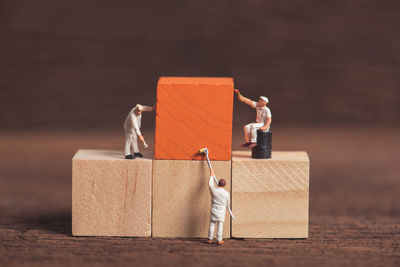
(181, 198)
(270, 197)
(111, 196)
(193, 113)
(354, 210)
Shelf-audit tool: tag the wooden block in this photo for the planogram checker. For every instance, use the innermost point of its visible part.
(270, 196)
(111, 196)
(181, 198)
(193, 113)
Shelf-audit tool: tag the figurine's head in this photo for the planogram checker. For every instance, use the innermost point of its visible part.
(263, 101)
(221, 183)
(138, 109)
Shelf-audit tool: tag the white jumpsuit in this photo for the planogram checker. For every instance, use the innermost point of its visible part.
(263, 114)
(220, 201)
(132, 130)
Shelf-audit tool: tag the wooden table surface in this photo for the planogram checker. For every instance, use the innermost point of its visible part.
(354, 205)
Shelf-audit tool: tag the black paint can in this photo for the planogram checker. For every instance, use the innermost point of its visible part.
(264, 146)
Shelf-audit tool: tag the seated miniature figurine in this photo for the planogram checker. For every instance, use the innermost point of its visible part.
(132, 131)
(263, 120)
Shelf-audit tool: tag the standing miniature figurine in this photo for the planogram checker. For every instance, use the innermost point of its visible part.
(219, 203)
(132, 131)
(263, 120)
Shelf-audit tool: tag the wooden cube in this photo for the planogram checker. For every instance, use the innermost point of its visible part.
(111, 196)
(270, 196)
(181, 197)
(193, 113)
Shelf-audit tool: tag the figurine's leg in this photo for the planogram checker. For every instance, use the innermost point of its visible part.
(220, 228)
(254, 128)
(211, 230)
(135, 144)
(127, 144)
(246, 129)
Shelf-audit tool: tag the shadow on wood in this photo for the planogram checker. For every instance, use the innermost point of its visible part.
(58, 222)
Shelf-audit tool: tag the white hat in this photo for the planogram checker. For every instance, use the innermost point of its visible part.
(139, 107)
(263, 98)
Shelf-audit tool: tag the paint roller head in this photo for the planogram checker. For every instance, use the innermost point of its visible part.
(203, 150)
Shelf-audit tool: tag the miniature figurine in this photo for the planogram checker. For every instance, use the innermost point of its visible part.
(219, 203)
(263, 120)
(205, 151)
(132, 131)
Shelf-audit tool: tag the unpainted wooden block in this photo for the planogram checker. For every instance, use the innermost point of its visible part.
(270, 196)
(111, 196)
(181, 198)
(193, 112)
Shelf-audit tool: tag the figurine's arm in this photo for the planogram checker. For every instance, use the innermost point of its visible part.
(135, 127)
(211, 185)
(244, 99)
(147, 108)
(211, 182)
(267, 124)
(212, 173)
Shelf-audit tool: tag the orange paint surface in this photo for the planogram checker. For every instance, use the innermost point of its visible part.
(193, 113)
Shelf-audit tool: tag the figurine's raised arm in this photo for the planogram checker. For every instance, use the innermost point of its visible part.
(211, 184)
(243, 99)
(149, 109)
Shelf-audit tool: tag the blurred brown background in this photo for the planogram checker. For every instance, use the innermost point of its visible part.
(71, 70)
(83, 64)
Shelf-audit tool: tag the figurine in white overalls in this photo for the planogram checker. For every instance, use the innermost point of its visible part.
(220, 201)
(263, 120)
(132, 131)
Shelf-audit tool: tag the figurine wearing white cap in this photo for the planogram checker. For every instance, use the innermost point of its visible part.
(263, 120)
(132, 131)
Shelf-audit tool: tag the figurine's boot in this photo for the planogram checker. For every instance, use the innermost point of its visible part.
(221, 242)
(130, 156)
(138, 155)
(252, 145)
(209, 241)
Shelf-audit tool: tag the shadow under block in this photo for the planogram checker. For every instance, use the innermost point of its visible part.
(193, 113)
(111, 196)
(181, 197)
(270, 196)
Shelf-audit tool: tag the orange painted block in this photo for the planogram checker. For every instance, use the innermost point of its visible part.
(192, 113)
